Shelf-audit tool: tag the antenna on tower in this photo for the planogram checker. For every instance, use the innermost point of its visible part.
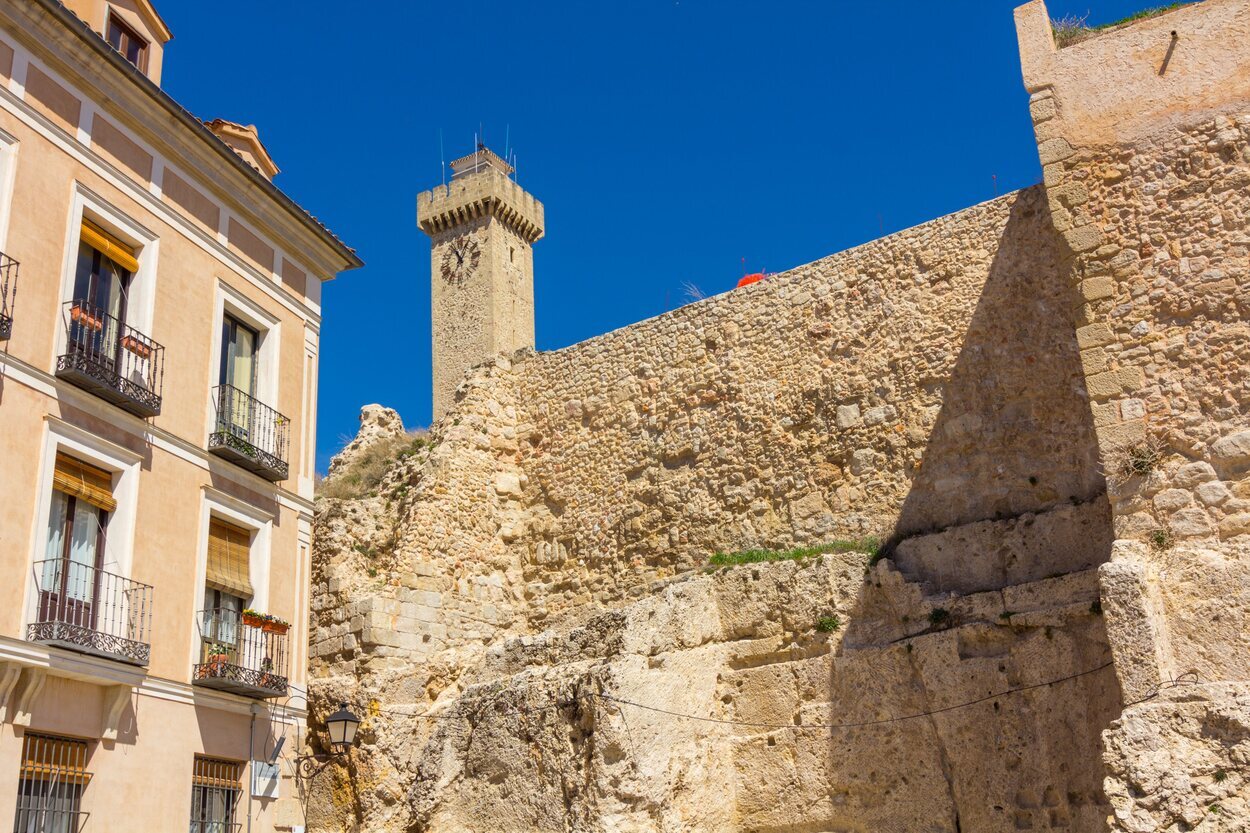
(442, 159)
(507, 142)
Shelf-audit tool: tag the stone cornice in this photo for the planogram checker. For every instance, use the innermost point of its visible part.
(488, 193)
(55, 35)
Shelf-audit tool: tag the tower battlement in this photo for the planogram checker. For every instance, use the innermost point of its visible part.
(485, 191)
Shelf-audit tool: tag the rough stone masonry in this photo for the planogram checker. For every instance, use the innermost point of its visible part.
(1039, 403)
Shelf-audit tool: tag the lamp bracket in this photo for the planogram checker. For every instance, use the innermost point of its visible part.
(308, 767)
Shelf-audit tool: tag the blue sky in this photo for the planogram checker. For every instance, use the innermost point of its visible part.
(668, 140)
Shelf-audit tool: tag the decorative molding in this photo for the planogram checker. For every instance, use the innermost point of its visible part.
(49, 385)
(115, 700)
(17, 656)
(9, 672)
(255, 516)
(32, 683)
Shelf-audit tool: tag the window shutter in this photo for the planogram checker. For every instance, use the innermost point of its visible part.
(109, 245)
(84, 481)
(229, 548)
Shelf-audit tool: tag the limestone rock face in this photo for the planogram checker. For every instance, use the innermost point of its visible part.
(377, 424)
(1182, 761)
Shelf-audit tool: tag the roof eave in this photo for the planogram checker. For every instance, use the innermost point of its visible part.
(93, 41)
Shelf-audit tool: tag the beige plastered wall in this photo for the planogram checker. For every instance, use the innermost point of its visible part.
(143, 775)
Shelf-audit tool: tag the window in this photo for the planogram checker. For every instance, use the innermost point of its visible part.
(215, 790)
(101, 288)
(50, 786)
(227, 583)
(70, 573)
(239, 344)
(128, 42)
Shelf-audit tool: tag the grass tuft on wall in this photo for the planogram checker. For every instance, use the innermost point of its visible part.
(1073, 29)
(869, 546)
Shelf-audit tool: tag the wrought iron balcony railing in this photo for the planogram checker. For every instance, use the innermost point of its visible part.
(240, 658)
(8, 291)
(216, 827)
(86, 609)
(249, 433)
(114, 361)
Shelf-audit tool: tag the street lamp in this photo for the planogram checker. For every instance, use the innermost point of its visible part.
(341, 726)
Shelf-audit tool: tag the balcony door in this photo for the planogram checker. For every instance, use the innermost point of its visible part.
(101, 286)
(236, 412)
(228, 585)
(77, 524)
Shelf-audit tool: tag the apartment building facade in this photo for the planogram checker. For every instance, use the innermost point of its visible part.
(159, 323)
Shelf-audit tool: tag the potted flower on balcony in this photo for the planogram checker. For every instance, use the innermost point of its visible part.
(266, 672)
(136, 345)
(275, 625)
(86, 318)
(254, 618)
(215, 659)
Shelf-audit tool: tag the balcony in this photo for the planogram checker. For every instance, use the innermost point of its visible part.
(114, 361)
(216, 826)
(240, 658)
(249, 433)
(8, 291)
(85, 609)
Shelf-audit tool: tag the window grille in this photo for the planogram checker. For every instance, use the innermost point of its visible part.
(49, 791)
(215, 790)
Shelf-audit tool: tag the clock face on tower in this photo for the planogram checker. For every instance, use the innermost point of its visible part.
(460, 259)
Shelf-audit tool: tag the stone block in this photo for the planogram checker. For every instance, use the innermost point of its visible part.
(1233, 449)
(1054, 150)
(1213, 493)
(1093, 360)
(1170, 500)
(1083, 239)
(847, 416)
(1043, 109)
(1070, 194)
(880, 414)
(508, 483)
(1233, 525)
(1191, 523)
(1095, 288)
(1191, 474)
(1113, 382)
(1094, 335)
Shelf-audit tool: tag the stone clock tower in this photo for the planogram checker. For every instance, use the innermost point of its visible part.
(482, 226)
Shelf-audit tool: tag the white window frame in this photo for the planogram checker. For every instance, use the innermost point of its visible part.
(230, 301)
(8, 175)
(124, 465)
(218, 504)
(141, 298)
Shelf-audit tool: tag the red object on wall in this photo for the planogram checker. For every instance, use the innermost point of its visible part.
(747, 280)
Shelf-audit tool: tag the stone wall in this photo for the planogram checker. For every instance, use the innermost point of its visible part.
(1156, 215)
(925, 387)
(920, 381)
(958, 389)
